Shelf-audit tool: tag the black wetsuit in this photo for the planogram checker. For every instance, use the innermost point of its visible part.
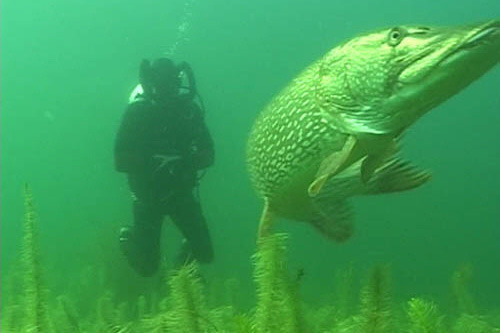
(164, 185)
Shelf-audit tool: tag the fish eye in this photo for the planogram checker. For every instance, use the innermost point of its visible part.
(395, 36)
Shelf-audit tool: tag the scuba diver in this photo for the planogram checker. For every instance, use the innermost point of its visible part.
(163, 145)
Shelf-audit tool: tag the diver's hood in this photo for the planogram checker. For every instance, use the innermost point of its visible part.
(145, 89)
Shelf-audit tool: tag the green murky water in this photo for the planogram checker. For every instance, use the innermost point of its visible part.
(67, 71)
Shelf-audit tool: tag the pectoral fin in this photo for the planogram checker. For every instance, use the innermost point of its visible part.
(335, 163)
(376, 148)
(316, 185)
(375, 160)
(396, 176)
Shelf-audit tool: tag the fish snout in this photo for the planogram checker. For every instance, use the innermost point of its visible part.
(484, 33)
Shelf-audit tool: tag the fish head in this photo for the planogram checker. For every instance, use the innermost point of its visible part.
(382, 82)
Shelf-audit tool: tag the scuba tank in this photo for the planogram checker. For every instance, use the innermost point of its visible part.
(187, 89)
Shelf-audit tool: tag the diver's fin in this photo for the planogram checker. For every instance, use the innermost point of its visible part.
(396, 176)
(335, 163)
(266, 221)
(334, 219)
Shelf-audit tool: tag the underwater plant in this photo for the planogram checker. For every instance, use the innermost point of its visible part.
(35, 317)
(188, 312)
(277, 300)
(11, 310)
(462, 297)
(184, 308)
(424, 317)
(111, 316)
(66, 316)
(344, 279)
(473, 324)
(376, 309)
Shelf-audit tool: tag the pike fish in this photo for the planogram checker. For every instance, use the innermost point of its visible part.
(334, 131)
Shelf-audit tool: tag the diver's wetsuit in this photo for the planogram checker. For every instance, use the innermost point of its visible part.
(164, 185)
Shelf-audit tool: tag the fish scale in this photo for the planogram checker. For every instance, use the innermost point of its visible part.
(292, 131)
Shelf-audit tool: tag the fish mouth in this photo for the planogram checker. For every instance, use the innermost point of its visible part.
(483, 35)
(489, 33)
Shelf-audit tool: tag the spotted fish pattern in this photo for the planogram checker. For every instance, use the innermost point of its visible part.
(334, 132)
